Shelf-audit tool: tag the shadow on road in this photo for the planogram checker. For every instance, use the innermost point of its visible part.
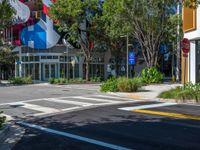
(128, 129)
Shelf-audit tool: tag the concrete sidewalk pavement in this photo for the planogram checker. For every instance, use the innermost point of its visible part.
(148, 92)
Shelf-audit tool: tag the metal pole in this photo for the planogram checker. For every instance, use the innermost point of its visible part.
(184, 72)
(67, 62)
(178, 46)
(127, 70)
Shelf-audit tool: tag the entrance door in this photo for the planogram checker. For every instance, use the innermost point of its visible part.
(52, 70)
(49, 71)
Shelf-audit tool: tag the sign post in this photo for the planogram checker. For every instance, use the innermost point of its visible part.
(131, 61)
(185, 46)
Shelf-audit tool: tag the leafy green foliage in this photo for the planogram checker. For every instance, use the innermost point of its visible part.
(122, 84)
(2, 120)
(150, 26)
(129, 85)
(79, 19)
(189, 92)
(110, 85)
(6, 14)
(95, 79)
(151, 75)
(21, 80)
(6, 55)
(76, 80)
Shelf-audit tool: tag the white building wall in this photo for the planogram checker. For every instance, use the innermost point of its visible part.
(192, 62)
(193, 36)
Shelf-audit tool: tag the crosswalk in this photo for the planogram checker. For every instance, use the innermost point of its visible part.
(50, 106)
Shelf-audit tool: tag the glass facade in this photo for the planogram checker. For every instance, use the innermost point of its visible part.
(45, 67)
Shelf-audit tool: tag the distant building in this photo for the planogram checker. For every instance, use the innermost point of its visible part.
(191, 28)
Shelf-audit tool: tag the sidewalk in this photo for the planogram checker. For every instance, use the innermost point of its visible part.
(149, 91)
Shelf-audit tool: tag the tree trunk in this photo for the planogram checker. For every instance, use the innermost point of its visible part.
(87, 70)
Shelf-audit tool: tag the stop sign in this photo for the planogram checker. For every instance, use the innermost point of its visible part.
(185, 45)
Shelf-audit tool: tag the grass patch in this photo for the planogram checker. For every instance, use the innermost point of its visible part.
(189, 92)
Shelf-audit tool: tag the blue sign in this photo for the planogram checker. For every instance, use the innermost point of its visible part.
(131, 58)
(18, 62)
(163, 49)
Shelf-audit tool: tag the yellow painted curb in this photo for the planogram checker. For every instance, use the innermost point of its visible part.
(176, 115)
(135, 96)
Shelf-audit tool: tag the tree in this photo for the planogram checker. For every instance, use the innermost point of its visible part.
(78, 18)
(191, 3)
(6, 14)
(149, 22)
(7, 58)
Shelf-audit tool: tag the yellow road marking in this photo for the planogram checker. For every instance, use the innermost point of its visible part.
(176, 115)
(135, 96)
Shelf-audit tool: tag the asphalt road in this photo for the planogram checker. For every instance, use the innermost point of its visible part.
(28, 92)
(98, 121)
(117, 127)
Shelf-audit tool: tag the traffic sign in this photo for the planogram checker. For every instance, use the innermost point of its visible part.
(18, 62)
(131, 58)
(185, 45)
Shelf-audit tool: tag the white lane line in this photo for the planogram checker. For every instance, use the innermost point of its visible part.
(68, 102)
(77, 88)
(73, 136)
(94, 99)
(31, 100)
(113, 97)
(62, 110)
(71, 108)
(39, 108)
(16, 103)
(147, 106)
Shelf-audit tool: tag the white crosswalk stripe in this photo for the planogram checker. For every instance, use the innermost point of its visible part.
(68, 102)
(94, 99)
(48, 106)
(39, 108)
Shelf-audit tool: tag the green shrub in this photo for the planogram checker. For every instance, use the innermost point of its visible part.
(95, 79)
(129, 85)
(51, 80)
(27, 80)
(152, 75)
(2, 120)
(21, 80)
(171, 94)
(56, 80)
(110, 85)
(122, 84)
(189, 92)
(62, 81)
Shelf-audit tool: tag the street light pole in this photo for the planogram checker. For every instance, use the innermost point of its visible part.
(127, 69)
(67, 53)
(66, 62)
(127, 50)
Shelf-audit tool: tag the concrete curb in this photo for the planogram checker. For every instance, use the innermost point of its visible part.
(138, 97)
